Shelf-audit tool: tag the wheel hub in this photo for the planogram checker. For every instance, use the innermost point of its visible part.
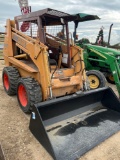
(22, 95)
(94, 81)
(6, 81)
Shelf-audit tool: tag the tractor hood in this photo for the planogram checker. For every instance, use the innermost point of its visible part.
(110, 51)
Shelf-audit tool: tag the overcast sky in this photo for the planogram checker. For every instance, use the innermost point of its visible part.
(107, 10)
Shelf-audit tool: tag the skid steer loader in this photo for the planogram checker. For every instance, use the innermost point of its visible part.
(47, 73)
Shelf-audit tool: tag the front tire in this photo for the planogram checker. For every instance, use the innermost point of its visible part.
(96, 79)
(28, 93)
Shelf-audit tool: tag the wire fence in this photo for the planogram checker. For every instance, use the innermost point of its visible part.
(29, 28)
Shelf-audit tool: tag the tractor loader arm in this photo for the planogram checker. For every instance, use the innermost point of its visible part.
(108, 59)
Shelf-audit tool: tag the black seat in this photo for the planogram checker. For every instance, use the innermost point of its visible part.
(52, 61)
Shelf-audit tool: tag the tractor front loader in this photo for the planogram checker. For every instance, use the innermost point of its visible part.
(104, 59)
(47, 73)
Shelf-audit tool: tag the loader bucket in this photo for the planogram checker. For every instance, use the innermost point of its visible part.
(68, 127)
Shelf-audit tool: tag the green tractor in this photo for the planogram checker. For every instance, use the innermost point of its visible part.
(99, 59)
(103, 59)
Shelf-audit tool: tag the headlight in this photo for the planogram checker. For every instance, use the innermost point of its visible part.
(118, 57)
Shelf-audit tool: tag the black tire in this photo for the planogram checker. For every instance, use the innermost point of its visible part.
(110, 79)
(96, 79)
(28, 93)
(10, 76)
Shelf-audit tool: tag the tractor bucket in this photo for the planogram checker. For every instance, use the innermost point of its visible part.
(68, 127)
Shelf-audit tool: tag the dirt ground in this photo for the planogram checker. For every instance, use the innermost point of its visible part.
(19, 144)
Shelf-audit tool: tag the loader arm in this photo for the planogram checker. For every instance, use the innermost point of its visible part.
(32, 49)
(108, 59)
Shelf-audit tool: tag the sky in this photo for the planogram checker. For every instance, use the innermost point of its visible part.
(107, 10)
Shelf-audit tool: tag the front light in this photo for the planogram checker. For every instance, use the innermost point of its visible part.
(118, 57)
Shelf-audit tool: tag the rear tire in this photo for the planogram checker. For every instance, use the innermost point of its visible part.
(10, 76)
(110, 79)
(28, 93)
(96, 79)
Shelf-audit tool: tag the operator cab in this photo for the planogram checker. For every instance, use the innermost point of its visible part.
(50, 27)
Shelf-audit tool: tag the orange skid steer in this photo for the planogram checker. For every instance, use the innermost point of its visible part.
(46, 71)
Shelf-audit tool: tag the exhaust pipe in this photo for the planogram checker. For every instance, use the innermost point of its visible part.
(109, 35)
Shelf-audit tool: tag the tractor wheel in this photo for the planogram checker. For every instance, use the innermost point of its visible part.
(110, 79)
(28, 93)
(10, 76)
(96, 79)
